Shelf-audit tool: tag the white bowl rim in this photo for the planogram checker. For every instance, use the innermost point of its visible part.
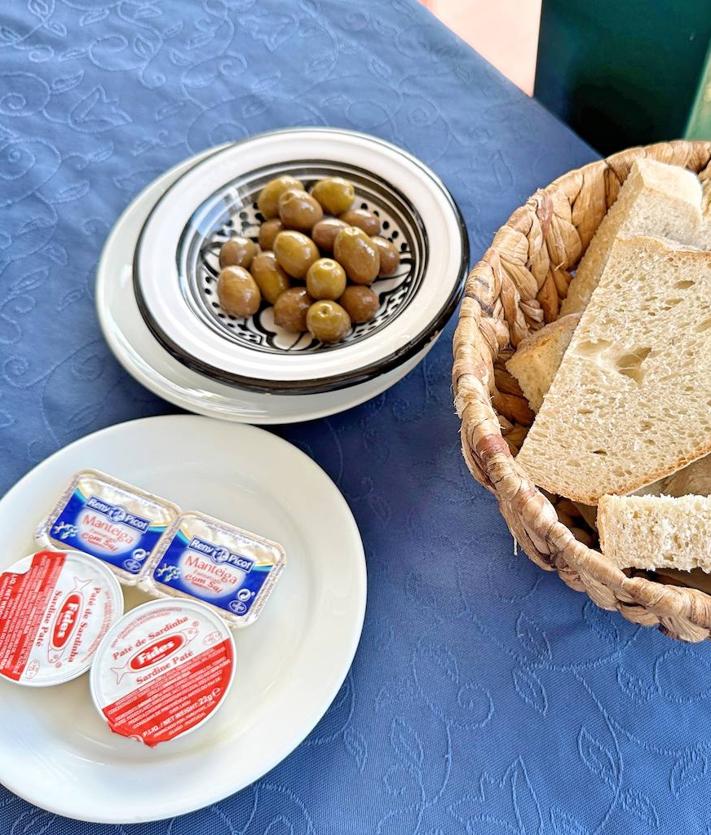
(317, 383)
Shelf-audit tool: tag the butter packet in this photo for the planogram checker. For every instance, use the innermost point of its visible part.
(117, 523)
(231, 570)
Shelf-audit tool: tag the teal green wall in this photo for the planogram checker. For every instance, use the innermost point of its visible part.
(699, 126)
(622, 72)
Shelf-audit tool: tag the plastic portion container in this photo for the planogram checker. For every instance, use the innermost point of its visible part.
(113, 521)
(230, 569)
(55, 607)
(163, 670)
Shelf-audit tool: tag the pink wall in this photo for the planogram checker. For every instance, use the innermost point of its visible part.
(505, 32)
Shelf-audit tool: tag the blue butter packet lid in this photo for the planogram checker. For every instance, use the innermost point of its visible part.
(228, 568)
(114, 521)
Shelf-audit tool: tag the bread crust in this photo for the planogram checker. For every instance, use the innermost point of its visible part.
(605, 378)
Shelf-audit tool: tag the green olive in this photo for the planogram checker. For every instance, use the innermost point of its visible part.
(357, 254)
(268, 231)
(238, 252)
(291, 308)
(299, 210)
(325, 231)
(326, 279)
(295, 252)
(270, 277)
(389, 255)
(268, 200)
(335, 194)
(363, 219)
(238, 292)
(327, 321)
(360, 303)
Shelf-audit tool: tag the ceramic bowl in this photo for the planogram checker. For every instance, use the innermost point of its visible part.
(176, 263)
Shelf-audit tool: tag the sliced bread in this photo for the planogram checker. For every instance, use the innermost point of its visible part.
(538, 357)
(704, 234)
(656, 531)
(696, 479)
(655, 199)
(631, 402)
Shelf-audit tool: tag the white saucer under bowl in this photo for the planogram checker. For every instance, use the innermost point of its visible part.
(175, 269)
(147, 361)
(55, 749)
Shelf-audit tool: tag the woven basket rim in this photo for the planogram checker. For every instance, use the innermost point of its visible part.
(497, 309)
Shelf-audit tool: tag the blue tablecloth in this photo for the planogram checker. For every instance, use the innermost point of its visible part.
(486, 697)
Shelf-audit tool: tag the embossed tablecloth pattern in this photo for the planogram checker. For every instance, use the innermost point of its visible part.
(486, 696)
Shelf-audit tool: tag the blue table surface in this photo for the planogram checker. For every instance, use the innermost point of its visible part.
(486, 697)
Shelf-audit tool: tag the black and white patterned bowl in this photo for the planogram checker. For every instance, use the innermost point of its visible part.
(176, 263)
(233, 210)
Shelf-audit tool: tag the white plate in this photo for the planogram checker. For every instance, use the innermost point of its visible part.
(55, 750)
(197, 210)
(140, 354)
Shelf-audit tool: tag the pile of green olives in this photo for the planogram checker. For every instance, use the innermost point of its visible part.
(315, 260)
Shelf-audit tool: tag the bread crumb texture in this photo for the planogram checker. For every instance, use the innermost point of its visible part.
(631, 402)
(653, 532)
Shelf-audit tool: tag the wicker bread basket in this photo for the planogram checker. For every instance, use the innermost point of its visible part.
(512, 291)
